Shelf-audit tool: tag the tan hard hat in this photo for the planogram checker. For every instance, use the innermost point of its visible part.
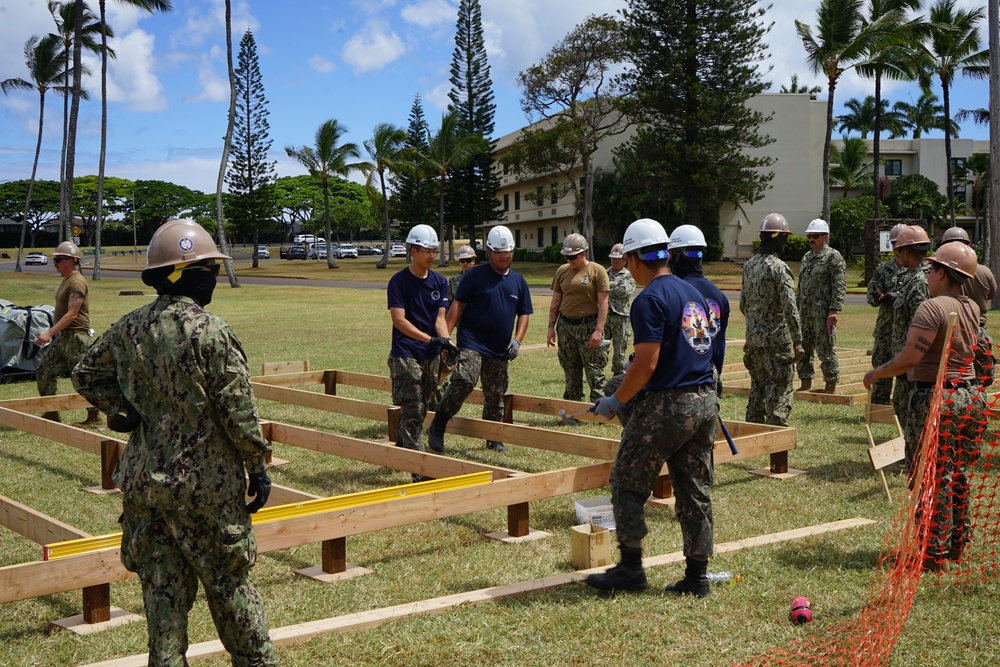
(67, 249)
(180, 242)
(957, 257)
(466, 252)
(896, 229)
(912, 235)
(617, 251)
(775, 222)
(955, 234)
(574, 244)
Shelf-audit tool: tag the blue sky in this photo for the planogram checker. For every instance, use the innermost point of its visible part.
(359, 61)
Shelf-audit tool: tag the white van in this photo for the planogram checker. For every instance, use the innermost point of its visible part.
(305, 238)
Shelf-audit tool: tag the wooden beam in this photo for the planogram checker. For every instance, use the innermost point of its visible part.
(290, 379)
(301, 632)
(47, 403)
(80, 438)
(311, 399)
(35, 526)
(529, 436)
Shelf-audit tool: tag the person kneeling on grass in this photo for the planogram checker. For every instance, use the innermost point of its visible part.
(673, 423)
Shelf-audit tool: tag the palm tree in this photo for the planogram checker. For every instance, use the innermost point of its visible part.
(450, 148)
(43, 57)
(851, 170)
(923, 116)
(844, 40)
(976, 175)
(150, 6)
(978, 116)
(388, 152)
(863, 114)
(951, 45)
(322, 159)
(794, 88)
(78, 29)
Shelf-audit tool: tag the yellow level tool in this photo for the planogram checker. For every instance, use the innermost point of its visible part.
(291, 510)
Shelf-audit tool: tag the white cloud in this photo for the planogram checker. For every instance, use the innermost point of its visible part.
(214, 88)
(437, 98)
(322, 64)
(427, 13)
(206, 20)
(372, 48)
(130, 76)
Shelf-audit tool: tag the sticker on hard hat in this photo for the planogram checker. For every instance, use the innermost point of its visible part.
(695, 326)
(185, 244)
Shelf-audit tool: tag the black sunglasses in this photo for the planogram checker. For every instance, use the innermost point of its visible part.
(813, 236)
(466, 261)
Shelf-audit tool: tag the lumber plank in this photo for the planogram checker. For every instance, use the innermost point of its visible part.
(80, 438)
(46, 403)
(530, 436)
(311, 399)
(887, 453)
(290, 379)
(34, 525)
(301, 632)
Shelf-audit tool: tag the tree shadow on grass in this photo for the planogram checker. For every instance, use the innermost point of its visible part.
(843, 471)
(826, 555)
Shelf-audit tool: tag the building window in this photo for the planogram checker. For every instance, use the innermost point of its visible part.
(541, 237)
(517, 200)
(555, 234)
(893, 167)
(517, 238)
(957, 170)
(506, 169)
(555, 194)
(506, 202)
(539, 196)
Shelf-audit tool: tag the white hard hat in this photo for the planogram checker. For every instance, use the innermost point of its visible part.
(687, 236)
(644, 233)
(423, 236)
(500, 239)
(818, 226)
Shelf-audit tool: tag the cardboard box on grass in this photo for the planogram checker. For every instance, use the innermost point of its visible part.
(591, 546)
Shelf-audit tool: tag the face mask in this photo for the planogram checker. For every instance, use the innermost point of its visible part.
(199, 285)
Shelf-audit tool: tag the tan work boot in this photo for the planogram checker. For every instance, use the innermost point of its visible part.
(807, 384)
(51, 416)
(93, 418)
(831, 388)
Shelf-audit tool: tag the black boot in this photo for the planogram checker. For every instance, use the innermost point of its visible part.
(628, 575)
(435, 432)
(695, 581)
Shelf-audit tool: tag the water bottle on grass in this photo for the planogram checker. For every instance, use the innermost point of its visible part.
(722, 578)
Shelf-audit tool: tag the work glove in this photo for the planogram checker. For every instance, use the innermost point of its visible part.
(606, 406)
(799, 353)
(259, 489)
(718, 388)
(124, 423)
(445, 343)
(888, 297)
(513, 348)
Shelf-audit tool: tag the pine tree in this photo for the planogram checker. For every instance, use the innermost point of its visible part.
(415, 199)
(250, 175)
(690, 90)
(472, 196)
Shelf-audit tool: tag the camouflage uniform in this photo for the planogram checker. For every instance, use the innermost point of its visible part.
(61, 355)
(182, 476)
(912, 292)
(822, 287)
(473, 366)
(767, 299)
(625, 411)
(618, 328)
(884, 282)
(676, 427)
(577, 359)
(414, 384)
(452, 286)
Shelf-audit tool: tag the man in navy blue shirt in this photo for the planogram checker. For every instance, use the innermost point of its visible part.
(418, 298)
(674, 423)
(687, 250)
(490, 300)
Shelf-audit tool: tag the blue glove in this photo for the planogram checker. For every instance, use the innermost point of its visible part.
(512, 349)
(607, 407)
(259, 489)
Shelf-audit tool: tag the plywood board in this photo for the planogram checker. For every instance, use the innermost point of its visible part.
(887, 453)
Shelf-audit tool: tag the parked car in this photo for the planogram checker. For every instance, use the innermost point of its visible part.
(368, 250)
(36, 258)
(263, 252)
(345, 250)
(306, 238)
(318, 250)
(397, 250)
(296, 252)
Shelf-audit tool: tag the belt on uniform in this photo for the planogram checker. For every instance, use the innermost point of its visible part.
(578, 320)
(962, 384)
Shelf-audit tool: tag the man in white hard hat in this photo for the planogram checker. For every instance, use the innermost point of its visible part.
(882, 290)
(822, 288)
(490, 301)
(578, 314)
(70, 334)
(773, 331)
(417, 299)
(618, 329)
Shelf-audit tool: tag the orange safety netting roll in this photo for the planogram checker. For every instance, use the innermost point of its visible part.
(944, 532)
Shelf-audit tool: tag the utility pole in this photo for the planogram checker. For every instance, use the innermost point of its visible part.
(993, 19)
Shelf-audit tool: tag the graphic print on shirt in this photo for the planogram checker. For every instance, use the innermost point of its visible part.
(714, 317)
(695, 325)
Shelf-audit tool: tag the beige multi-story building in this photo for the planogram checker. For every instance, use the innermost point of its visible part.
(797, 125)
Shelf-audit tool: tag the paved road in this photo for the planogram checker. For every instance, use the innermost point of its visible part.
(734, 297)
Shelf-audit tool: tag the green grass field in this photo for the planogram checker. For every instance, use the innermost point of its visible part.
(349, 329)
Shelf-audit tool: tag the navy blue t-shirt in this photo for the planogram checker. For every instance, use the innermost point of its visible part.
(718, 316)
(420, 298)
(673, 313)
(492, 305)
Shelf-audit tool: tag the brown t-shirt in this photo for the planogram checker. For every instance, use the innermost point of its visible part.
(981, 288)
(73, 283)
(932, 316)
(579, 288)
